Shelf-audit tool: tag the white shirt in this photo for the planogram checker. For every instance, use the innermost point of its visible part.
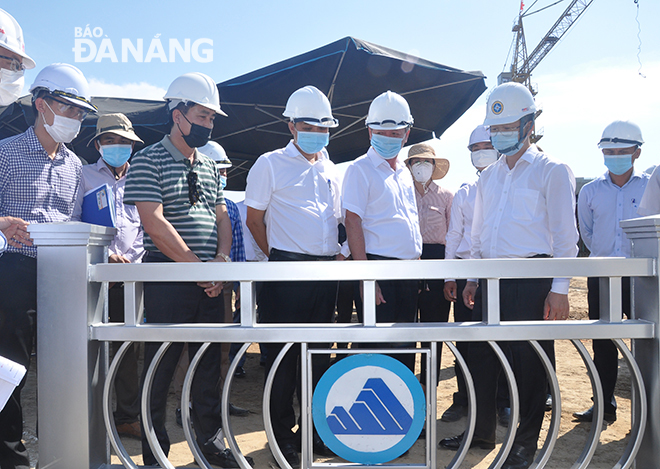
(301, 200)
(128, 240)
(3, 242)
(525, 211)
(252, 251)
(385, 201)
(601, 206)
(650, 204)
(460, 223)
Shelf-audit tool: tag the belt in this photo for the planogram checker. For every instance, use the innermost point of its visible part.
(279, 255)
(376, 257)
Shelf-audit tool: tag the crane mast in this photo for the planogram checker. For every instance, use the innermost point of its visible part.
(523, 64)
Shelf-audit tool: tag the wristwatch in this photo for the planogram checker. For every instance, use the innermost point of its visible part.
(224, 256)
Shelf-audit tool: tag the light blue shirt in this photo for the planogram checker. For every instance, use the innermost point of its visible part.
(601, 206)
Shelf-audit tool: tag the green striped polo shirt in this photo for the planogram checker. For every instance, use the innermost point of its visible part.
(158, 173)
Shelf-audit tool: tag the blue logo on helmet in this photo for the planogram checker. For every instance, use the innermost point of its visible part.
(497, 107)
(369, 408)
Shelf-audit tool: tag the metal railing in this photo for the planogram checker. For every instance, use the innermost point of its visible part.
(74, 382)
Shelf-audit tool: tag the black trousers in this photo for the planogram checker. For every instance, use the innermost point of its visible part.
(127, 380)
(520, 300)
(178, 302)
(292, 302)
(606, 355)
(431, 302)
(18, 301)
(400, 306)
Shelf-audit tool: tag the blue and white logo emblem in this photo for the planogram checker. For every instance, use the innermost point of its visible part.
(497, 107)
(369, 408)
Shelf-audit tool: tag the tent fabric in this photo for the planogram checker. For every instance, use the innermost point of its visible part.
(349, 71)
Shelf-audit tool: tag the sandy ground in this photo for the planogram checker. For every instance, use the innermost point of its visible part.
(575, 392)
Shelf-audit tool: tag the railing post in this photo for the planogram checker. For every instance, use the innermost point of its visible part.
(645, 236)
(71, 368)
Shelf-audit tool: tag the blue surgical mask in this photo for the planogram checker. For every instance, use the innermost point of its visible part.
(506, 143)
(618, 164)
(116, 155)
(386, 147)
(312, 142)
(223, 182)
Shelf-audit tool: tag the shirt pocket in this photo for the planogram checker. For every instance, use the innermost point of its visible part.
(525, 203)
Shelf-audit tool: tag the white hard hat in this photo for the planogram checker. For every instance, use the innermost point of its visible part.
(64, 81)
(197, 88)
(389, 111)
(11, 37)
(508, 103)
(311, 106)
(215, 151)
(621, 134)
(479, 135)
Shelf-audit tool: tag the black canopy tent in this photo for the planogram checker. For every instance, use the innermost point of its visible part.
(351, 72)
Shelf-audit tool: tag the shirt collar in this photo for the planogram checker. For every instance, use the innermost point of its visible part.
(33, 141)
(101, 167)
(176, 154)
(378, 160)
(292, 151)
(635, 175)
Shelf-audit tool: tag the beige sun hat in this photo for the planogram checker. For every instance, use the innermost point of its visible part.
(423, 150)
(117, 124)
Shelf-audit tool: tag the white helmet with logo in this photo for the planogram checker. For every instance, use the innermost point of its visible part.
(311, 106)
(479, 135)
(197, 88)
(508, 103)
(621, 134)
(11, 38)
(215, 151)
(389, 111)
(66, 82)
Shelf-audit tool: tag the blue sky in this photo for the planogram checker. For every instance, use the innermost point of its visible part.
(588, 80)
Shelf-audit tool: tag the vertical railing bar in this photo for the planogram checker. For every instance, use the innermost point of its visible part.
(369, 302)
(493, 301)
(248, 305)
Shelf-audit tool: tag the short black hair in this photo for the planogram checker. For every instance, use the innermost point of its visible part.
(183, 107)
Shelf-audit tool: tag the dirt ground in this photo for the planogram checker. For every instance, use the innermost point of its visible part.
(575, 392)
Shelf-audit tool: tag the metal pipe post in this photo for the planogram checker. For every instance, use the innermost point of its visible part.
(71, 368)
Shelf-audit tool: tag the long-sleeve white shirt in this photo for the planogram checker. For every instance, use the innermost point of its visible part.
(526, 211)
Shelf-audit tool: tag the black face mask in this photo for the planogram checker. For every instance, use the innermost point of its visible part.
(198, 136)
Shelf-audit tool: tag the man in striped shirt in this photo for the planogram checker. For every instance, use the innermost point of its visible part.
(177, 192)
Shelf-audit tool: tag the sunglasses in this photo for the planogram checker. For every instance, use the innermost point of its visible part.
(193, 191)
(15, 64)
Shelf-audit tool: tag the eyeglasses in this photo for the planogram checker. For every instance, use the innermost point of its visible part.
(193, 191)
(69, 110)
(15, 65)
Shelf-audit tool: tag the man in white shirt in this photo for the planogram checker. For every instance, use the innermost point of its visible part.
(482, 154)
(602, 204)
(381, 211)
(524, 208)
(293, 213)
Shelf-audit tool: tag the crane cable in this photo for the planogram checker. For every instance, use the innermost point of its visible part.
(639, 38)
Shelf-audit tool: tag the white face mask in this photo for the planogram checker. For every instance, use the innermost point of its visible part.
(11, 85)
(422, 171)
(483, 158)
(64, 129)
